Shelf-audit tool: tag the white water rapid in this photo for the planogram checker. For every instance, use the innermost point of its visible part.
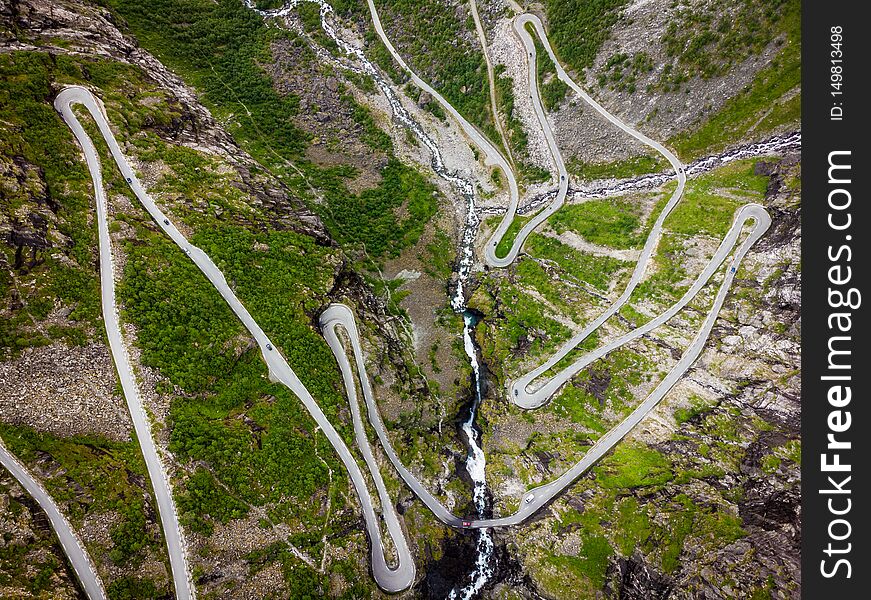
(475, 462)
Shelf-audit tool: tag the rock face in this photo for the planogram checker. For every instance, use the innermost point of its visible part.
(328, 113)
(634, 580)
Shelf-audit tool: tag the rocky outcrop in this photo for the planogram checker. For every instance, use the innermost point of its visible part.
(65, 391)
(632, 579)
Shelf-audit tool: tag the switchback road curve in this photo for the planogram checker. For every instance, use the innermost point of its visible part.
(141, 423)
(340, 315)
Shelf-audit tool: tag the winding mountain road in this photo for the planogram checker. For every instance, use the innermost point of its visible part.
(401, 575)
(518, 390)
(340, 315)
(519, 26)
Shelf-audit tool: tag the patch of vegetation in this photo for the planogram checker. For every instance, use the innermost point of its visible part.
(766, 591)
(578, 28)
(525, 322)
(709, 202)
(507, 241)
(516, 134)
(204, 502)
(188, 345)
(388, 218)
(632, 525)
(670, 271)
(633, 465)
(380, 55)
(698, 406)
(581, 407)
(438, 261)
(310, 16)
(553, 93)
(132, 588)
(185, 175)
(609, 524)
(303, 581)
(770, 464)
(21, 555)
(602, 389)
(592, 560)
(218, 47)
(389, 290)
(790, 451)
(621, 169)
(621, 71)
(674, 534)
(373, 136)
(597, 271)
(635, 317)
(532, 274)
(634, 501)
(607, 222)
